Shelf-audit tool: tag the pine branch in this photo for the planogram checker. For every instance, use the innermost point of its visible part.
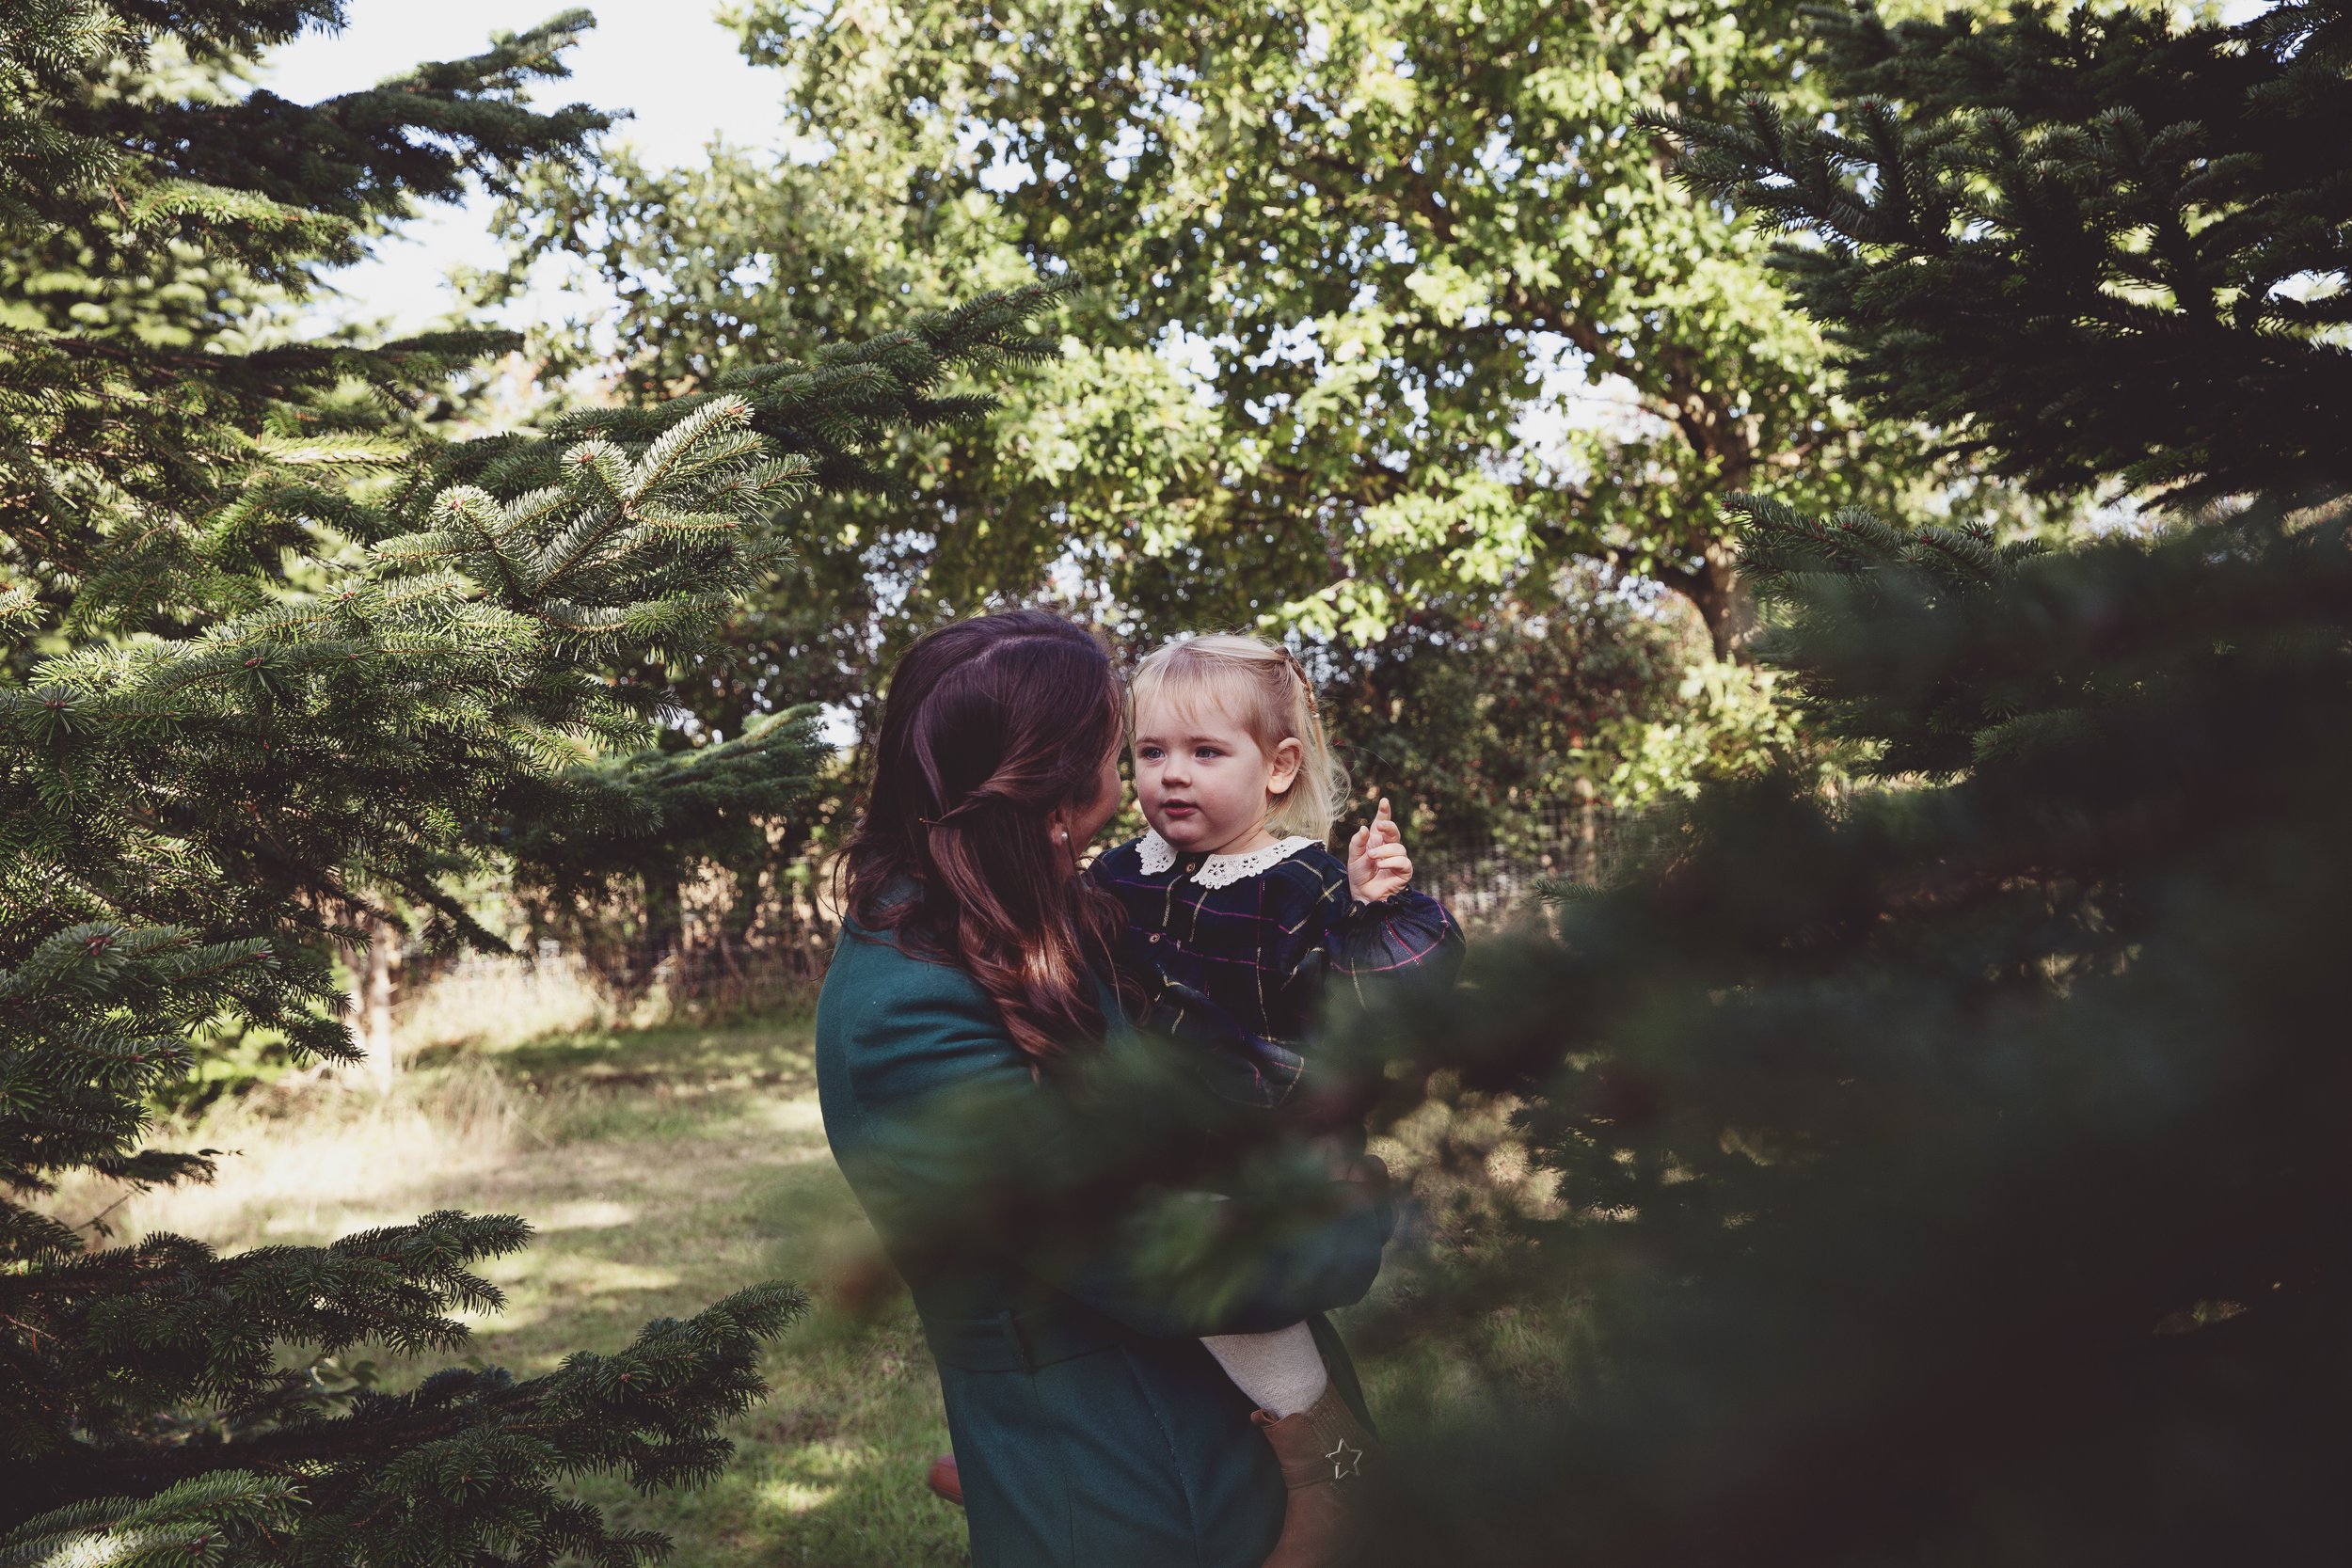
(2066, 242)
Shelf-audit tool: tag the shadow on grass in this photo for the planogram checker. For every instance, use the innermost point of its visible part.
(667, 1168)
(684, 1164)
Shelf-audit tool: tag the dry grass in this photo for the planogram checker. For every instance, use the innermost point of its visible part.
(497, 1002)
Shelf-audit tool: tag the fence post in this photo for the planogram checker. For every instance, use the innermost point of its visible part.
(1588, 832)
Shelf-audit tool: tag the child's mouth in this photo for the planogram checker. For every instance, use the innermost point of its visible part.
(1178, 810)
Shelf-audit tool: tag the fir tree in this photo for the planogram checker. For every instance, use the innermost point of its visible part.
(2098, 244)
(1949, 1171)
(132, 214)
(276, 658)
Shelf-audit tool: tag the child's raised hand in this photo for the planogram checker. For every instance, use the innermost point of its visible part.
(1377, 865)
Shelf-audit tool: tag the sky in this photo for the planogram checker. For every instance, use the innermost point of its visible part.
(667, 60)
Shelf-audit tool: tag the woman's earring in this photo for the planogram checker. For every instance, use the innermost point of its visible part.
(1065, 835)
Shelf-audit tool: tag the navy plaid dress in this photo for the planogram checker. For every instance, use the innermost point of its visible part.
(1240, 963)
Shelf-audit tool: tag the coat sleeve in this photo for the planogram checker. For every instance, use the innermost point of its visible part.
(961, 1151)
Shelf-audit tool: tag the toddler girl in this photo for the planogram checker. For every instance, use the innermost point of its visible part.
(1239, 918)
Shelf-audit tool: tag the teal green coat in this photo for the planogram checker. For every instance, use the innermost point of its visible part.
(1091, 1426)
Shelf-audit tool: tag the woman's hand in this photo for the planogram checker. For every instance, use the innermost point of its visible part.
(1377, 865)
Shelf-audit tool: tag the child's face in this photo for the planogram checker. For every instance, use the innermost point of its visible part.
(1205, 784)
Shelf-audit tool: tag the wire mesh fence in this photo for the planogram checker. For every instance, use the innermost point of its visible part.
(502, 997)
(1493, 882)
(1488, 883)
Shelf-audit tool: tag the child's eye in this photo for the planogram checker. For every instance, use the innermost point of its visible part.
(1148, 753)
(1206, 751)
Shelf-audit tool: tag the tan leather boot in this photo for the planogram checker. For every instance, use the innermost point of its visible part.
(1325, 1452)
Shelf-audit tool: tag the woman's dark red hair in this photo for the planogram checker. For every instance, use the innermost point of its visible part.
(990, 726)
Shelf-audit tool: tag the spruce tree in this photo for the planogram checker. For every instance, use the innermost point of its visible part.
(275, 657)
(2098, 244)
(137, 208)
(1949, 1171)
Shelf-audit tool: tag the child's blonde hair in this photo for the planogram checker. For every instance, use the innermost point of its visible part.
(1265, 688)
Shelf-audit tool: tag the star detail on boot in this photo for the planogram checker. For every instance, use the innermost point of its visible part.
(1346, 1459)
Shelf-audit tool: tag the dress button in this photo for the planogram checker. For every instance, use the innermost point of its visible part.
(1155, 936)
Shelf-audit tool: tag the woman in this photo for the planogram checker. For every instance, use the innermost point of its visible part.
(1089, 1424)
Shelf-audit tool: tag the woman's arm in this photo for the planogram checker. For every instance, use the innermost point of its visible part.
(961, 1154)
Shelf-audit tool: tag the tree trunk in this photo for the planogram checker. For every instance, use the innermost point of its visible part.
(1715, 589)
(373, 968)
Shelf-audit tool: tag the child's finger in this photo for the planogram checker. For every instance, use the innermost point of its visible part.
(1359, 844)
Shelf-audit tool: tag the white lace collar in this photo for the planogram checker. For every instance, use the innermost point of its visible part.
(1218, 870)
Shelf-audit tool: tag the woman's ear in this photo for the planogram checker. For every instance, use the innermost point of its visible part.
(1289, 757)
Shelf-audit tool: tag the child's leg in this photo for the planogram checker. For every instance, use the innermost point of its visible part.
(1321, 1446)
(1281, 1372)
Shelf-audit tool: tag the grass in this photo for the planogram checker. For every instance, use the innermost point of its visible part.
(661, 1170)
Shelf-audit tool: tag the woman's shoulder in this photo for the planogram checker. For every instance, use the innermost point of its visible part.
(895, 1023)
(886, 962)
